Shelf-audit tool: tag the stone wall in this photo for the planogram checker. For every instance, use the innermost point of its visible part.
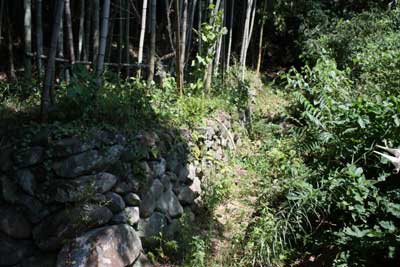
(100, 199)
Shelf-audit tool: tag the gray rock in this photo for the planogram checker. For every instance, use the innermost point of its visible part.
(169, 204)
(71, 146)
(81, 188)
(150, 228)
(14, 223)
(113, 154)
(129, 215)
(14, 251)
(110, 246)
(40, 260)
(157, 188)
(166, 182)
(86, 162)
(79, 164)
(127, 186)
(131, 199)
(188, 194)
(114, 202)
(158, 167)
(29, 157)
(147, 205)
(51, 233)
(26, 181)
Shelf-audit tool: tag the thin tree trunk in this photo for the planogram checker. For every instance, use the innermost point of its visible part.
(179, 82)
(199, 25)
(190, 31)
(109, 47)
(183, 40)
(88, 30)
(81, 29)
(103, 41)
(48, 83)
(120, 36)
(70, 35)
(209, 71)
(127, 38)
(219, 45)
(96, 29)
(169, 27)
(1, 18)
(251, 26)
(28, 40)
(142, 34)
(153, 40)
(228, 59)
(260, 43)
(11, 50)
(39, 38)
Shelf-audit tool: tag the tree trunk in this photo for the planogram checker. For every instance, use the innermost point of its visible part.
(120, 36)
(28, 40)
(183, 41)
(1, 18)
(39, 38)
(228, 58)
(199, 24)
(169, 27)
(179, 82)
(103, 41)
(88, 27)
(253, 15)
(190, 28)
(246, 32)
(142, 34)
(260, 43)
(153, 40)
(127, 38)
(81, 29)
(219, 44)
(96, 29)
(11, 50)
(109, 47)
(70, 35)
(45, 101)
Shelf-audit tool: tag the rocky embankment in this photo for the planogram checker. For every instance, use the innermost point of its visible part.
(102, 198)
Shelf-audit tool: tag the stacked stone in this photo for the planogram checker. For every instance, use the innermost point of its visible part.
(100, 201)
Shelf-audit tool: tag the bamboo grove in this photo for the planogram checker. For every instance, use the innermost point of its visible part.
(137, 38)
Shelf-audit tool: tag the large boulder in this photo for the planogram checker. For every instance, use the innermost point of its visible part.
(80, 188)
(169, 204)
(110, 246)
(78, 164)
(87, 162)
(70, 146)
(51, 233)
(13, 251)
(14, 224)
